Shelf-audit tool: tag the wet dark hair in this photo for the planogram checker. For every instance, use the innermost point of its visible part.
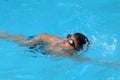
(81, 40)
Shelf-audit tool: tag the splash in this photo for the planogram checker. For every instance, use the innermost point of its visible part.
(104, 44)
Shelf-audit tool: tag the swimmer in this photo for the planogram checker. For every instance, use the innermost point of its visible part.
(68, 46)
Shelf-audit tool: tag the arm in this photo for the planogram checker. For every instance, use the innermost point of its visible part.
(111, 64)
(21, 40)
(11, 37)
(43, 37)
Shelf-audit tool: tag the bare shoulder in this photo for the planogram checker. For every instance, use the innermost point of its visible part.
(45, 35)
(47, 38)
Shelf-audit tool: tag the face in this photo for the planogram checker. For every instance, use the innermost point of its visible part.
(70, 41)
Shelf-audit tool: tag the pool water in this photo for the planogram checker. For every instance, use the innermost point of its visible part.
(98, 20)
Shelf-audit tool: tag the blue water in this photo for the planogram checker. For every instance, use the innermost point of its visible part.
(97, 19)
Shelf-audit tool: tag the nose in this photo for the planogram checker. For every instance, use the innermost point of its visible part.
(65, 40)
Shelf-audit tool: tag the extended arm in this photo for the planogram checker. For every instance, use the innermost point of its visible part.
(111, 64)
(21, 40)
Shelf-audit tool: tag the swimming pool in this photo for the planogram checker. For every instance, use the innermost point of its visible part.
(98, 20)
